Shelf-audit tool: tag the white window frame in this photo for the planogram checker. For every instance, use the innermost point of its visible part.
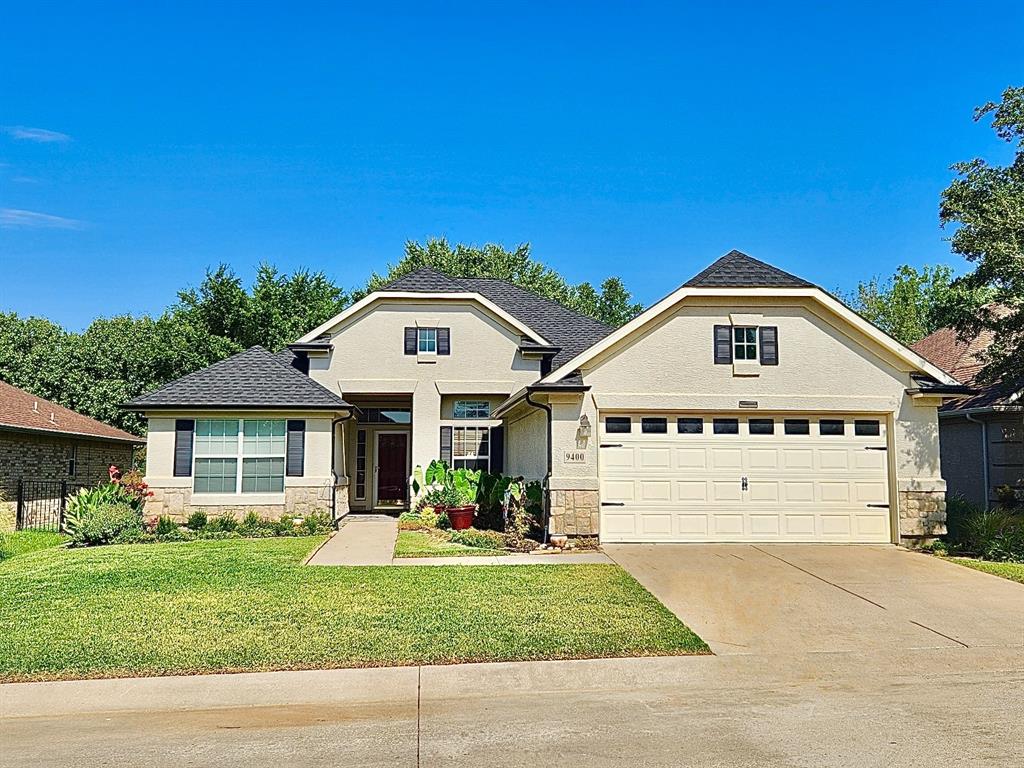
(746, 345)
(471, 409)
(424, 338)
(239, 456)
(475, 457)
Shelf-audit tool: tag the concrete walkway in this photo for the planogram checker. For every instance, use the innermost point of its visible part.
(370, 540)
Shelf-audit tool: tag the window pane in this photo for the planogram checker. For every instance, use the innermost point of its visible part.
(215, 475)
(690, 426)
(263, 437)
(618, 424)
(655, 426)
(797, 427)
(762, 426)
(831, 427)
(750, 335)
(216, 437)
(263, 475)
(427, 339)
(472, 409)
(470, 442)
(727, 426)
(866, 428)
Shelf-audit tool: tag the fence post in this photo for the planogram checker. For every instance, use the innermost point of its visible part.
(19, 515)
(63, 505)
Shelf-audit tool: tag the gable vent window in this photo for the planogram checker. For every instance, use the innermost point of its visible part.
(727, 426)
(832, 427)
(762, 426)
(654, 426)
(797, 427)
(688, 426)
(867, 428)
(618, 424)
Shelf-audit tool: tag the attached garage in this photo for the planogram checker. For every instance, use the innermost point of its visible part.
(719, 476)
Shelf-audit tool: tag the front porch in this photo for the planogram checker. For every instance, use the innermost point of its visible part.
(376, 454)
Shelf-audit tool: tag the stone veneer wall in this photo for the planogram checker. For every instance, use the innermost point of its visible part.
(35, 456)
(922, 516)
(575, 513)
(298, 500)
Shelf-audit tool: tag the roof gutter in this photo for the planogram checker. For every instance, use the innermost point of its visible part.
(235, 407)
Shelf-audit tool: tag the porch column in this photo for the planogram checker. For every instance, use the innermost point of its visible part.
(426, 426)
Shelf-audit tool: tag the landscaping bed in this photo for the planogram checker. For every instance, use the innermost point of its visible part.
(1011, 571)
(424, 543)
(989, 540)
(248, 605)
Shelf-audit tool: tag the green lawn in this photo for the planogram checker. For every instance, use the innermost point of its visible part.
(23, 542)
(1011, 571)
(232, 605)
(422, 544)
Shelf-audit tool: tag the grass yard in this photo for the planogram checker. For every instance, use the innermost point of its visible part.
(234, 605)
(23, 542)
(422, 544)
(1011, 571)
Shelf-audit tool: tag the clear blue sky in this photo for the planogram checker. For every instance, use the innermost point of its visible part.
(643, 140)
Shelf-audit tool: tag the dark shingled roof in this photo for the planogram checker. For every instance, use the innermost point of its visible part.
(255, 378)
(737, 270)
(562, 327)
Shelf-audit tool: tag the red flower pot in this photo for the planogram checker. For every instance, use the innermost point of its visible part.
(461, 518)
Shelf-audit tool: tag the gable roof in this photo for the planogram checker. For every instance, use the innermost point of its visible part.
(255, 378)
(961, 358)
(738, 275)
(737, 270)
(545, 320)
(23, 411)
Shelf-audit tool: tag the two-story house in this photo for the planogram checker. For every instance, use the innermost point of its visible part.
(747, 405)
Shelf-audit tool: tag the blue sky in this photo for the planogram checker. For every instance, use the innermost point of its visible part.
(638, 139)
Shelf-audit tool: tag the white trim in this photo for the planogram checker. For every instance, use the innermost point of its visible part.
(669, 302)
(416, 295)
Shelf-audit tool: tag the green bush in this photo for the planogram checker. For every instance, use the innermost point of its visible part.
(197, 520)
(164, 526)
(316, 523)
(87, 502)
(994, 534)
(472, 537)
(109, 524)
(222, 524)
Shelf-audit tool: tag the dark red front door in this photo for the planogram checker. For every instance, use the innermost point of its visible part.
(391, 469)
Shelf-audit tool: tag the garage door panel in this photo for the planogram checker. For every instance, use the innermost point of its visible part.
(689, 486)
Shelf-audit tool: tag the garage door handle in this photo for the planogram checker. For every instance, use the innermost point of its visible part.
(611, 445)
(879, 506)
(613, 503)
(875, 448)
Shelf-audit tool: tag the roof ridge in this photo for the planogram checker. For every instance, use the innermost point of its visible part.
(545, 299)
(717, 273)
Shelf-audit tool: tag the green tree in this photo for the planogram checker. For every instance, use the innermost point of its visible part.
(613, 305)
(986, 204)
(911, 304)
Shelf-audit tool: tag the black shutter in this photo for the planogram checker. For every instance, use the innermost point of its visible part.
(444, 341)
(497, 450)
(769, 335)
(446, 445)
(410, 341)
(184, 430)
(723, 344)
(295, 452)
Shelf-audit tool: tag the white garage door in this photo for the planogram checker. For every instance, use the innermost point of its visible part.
(731, 477)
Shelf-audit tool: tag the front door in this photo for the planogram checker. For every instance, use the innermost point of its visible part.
(392, 472)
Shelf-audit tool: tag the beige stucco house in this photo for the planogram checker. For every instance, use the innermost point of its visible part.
(747, 405)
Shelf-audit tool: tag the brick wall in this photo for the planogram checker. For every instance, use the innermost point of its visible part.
(36, 456)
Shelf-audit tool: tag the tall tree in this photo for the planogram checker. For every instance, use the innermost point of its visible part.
(613, 305)
(911, 304)
(986, 203)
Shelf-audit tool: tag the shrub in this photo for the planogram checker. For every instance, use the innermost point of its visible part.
(108, 524)
(164, 526)
(251, 523)
(89, 501)
(223, 524)
(994, 534)
(197, 520)
(472, 537)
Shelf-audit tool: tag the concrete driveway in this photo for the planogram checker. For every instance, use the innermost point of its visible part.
(807, 598)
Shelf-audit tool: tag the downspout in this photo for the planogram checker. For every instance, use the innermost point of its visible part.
(547, 478)
(334, 473)
(984, 453)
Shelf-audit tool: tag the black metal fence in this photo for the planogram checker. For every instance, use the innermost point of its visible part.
(41, 503)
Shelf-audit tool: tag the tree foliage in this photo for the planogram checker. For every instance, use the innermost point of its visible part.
(911, 304)
(613, 305)
(986, 203)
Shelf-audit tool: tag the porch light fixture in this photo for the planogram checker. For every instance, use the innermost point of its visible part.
(583, 432)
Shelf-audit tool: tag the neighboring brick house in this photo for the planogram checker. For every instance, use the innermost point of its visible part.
(981, 436)
(43, 441)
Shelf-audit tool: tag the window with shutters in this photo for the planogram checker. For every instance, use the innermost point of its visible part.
(426, 341)
(744, 343)
(471, 448)
(239, 456)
